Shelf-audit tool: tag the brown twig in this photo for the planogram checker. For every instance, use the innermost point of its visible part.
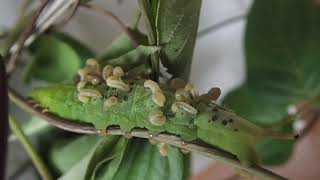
(24, 6)
(3, 119)
(219, 25)
(67, 19)
(113, 17)
(23, 37)
(198, 147)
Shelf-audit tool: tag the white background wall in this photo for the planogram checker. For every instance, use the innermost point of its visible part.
(218, 58)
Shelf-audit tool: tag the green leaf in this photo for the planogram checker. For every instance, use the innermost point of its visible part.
(283, 51)
(65, 153)
(104, 148)
(82, 50)
(53, 61)
(175, 25)
(134, 57)
(34, 126)
(274, 152)
(143, 161)
(123, 44)
(283, 61)
(14, 33)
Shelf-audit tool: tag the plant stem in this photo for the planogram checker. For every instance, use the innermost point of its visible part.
(114, 17)
(206, 31)
(137, 19)
(145, 10)
(68, 18)
(23, 37)
(35, 157)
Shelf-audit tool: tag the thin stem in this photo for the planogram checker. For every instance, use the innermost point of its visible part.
(33, 154)
(206, 31)
(67, 19)
(197, 147)
(145, 9)
(24, 7)
(137, 19)
(23, 37)
(105, 12)
(36, 128)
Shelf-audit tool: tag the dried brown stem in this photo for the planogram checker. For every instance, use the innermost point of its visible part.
(197, 147)
(23, 37)
(67, 19)
(113, 17)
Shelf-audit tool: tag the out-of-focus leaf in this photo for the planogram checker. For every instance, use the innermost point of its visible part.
(134, 57)
(82, 50)
(274, 152)
(143, 161)
(65, 153)
(33, 127)
(54, 61)
(123, 44)
(14, 33)
(84, 1)
(175, 25)
(107, 168)
(105, 148)
(283, 51)
(97, 158)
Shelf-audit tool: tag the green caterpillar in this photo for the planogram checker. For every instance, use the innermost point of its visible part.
(157, 107)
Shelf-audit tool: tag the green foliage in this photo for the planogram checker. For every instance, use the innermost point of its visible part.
(65, 153)
(35, 126)
(133, 57)
(174, 25)
(83, 51)
(123, 44)
(274, 152)
(143, 161)
(282, 50)
(114, 158)
(53, 60)
(281, 62)
(105, 148)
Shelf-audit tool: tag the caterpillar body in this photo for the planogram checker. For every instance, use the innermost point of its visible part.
(136, 108)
